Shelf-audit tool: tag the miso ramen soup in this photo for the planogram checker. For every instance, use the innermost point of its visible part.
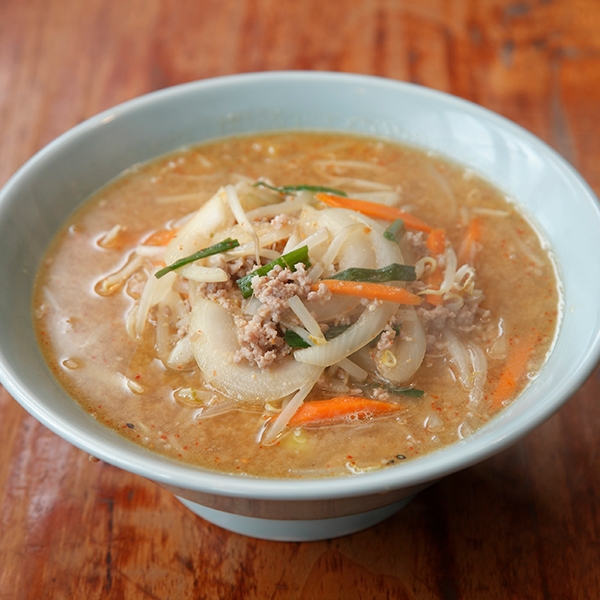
(297, 304)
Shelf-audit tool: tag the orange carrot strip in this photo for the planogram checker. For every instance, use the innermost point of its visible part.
(434, 299)
(468, 248)
(436, 241)
(374, 291)
(514, 369)
(434, 280)
(375, 210)
(340, 409)
(160, 238)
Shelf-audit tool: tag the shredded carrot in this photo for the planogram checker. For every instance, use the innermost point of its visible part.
(514, 370)
(160, 238)
(373, 291)
(434, 280)
(468, 248)
(436, 241)
(375, 210)
(340, 409)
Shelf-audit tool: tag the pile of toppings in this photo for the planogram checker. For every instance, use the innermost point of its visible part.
(274, 291)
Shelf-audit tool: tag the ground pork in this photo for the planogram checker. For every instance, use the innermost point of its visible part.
(417, 243)
(220, 292)
(436, 318)
(278, 286)
(282, 220)
(321, 295)
(386, 339)
(261, 341)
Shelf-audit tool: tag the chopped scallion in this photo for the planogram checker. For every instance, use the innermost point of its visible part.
(395, 231)
(289, 260)
(222, 246)
(289, 189)
(335, 330)
(393, 272)
(394, 389)
(293, 340)
(406, 391)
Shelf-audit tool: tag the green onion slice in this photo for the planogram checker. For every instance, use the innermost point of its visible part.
(395, 231)
(293, 340)
(393, 272)
(334, 330)
(222, 246)
(394, 389)
(290, 260)
(290, 189)
(405, 391)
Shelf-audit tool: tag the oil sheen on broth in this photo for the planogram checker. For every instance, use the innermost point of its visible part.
(183, 365)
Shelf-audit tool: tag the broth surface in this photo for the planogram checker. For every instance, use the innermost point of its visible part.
(123, 384)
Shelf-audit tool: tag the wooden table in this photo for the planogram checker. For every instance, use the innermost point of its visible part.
(524, 524)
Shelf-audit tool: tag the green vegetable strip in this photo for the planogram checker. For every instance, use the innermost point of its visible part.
(395, 231)
(290, 260)
(335, 330)
(394, 389)
(407, 391)
(393, 272)
(222, 246)
(288, 189)
(293, 340)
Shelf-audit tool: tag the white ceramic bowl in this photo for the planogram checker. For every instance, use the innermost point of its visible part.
(39, 197)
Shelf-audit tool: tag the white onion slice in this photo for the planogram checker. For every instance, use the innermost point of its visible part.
(213, 216)
(203, 274)
(214, 343)
(459, 357)
(240, 216)
(281, 208)
(479, 366)
(181, 355)
(408, 348)
(369, 324)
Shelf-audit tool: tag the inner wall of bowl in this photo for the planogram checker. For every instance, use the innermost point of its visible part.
(39, 198)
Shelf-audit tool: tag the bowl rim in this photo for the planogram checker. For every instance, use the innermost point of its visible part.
(414, 472)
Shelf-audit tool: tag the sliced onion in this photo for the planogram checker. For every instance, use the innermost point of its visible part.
(181, 355)
(294, 205)
(315, 239)
(459, 358)
(479, 367)
(408, 349)
(214, 343)
(203, 274)
(240, 216)
(214, 215)
(369, 324)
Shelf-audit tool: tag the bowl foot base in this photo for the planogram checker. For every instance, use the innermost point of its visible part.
(295, 530)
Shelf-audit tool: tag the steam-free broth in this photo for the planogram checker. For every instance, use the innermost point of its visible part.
(184, 365)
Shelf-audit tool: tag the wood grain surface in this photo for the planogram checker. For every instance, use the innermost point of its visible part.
(524, 524)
